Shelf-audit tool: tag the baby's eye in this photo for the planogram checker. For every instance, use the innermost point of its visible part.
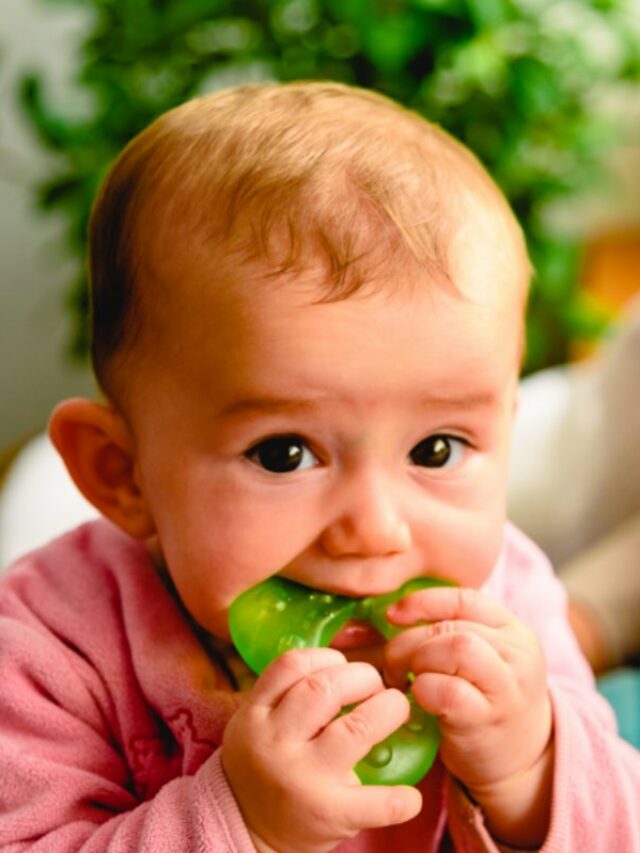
(282, 454)
(438, 451)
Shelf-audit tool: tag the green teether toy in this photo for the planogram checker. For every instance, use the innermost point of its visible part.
(278, 615)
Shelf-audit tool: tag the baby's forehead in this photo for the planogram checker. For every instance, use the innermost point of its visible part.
(196, 293)
(360, 247)
(249, 336)
(194, 278)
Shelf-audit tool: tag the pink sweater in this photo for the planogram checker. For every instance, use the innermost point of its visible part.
(112, 714)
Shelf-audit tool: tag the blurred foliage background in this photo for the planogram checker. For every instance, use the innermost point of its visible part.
(519, 81)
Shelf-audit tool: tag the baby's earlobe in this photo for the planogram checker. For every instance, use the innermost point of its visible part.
(98, 451)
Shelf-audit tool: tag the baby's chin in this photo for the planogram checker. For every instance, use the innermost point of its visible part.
(359, 641)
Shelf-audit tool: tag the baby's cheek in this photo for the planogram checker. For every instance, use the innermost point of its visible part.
(266, 537)
(469, 554)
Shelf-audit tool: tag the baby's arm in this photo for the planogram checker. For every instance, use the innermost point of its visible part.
(65, 784)
(289, 757)
(595, 785)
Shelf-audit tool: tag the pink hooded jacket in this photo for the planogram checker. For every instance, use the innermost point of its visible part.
(112, 715)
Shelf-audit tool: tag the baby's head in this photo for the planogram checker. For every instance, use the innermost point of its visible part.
(307, 308)
(282, 179)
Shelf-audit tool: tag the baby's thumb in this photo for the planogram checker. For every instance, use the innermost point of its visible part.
(373, 806)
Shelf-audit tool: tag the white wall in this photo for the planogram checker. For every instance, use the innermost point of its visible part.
(34, 271)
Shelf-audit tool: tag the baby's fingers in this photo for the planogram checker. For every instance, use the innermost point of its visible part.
(444, 602)
(288, 669)
(373, 806)
(352, 735)
(466, 655)
(453, 700)
(313, 701)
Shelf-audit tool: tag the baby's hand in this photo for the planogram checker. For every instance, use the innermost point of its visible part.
(482, 673)
(289, 759)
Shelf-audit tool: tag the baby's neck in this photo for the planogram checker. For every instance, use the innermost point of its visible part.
(221, 652)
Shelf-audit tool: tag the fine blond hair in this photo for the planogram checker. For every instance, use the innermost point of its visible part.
(283, 174)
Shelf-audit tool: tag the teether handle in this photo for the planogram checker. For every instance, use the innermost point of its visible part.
(404, 756)
(278, 615)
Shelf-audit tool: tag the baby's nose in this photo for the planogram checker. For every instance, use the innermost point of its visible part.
(369, 521)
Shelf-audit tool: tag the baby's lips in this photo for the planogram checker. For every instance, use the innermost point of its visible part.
(356, 634)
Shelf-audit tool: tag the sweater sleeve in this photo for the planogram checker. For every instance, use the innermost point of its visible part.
(596, 779)
(65, 784)
(595, 795)
(596, 782)
(191, 813)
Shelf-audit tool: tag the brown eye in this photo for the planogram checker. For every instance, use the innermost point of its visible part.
(282, 454)
(438, 451)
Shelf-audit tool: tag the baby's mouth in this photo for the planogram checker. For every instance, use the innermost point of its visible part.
(356, 634)
(360, 641)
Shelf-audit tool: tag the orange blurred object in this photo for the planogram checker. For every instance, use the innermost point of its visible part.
(611, 275)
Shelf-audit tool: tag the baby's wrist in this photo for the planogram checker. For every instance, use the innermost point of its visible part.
(517, 810)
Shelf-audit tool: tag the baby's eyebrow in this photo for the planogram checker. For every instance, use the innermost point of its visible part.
(267, 405)
(273, 405)
(475, 400)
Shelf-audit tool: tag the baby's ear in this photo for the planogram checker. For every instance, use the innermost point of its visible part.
(97, 447)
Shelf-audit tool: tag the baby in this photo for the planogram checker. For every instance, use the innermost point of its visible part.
(307, 311)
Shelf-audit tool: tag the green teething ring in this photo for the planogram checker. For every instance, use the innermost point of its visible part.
(278, 615)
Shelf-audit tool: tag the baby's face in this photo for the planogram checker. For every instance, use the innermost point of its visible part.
(349, 445)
